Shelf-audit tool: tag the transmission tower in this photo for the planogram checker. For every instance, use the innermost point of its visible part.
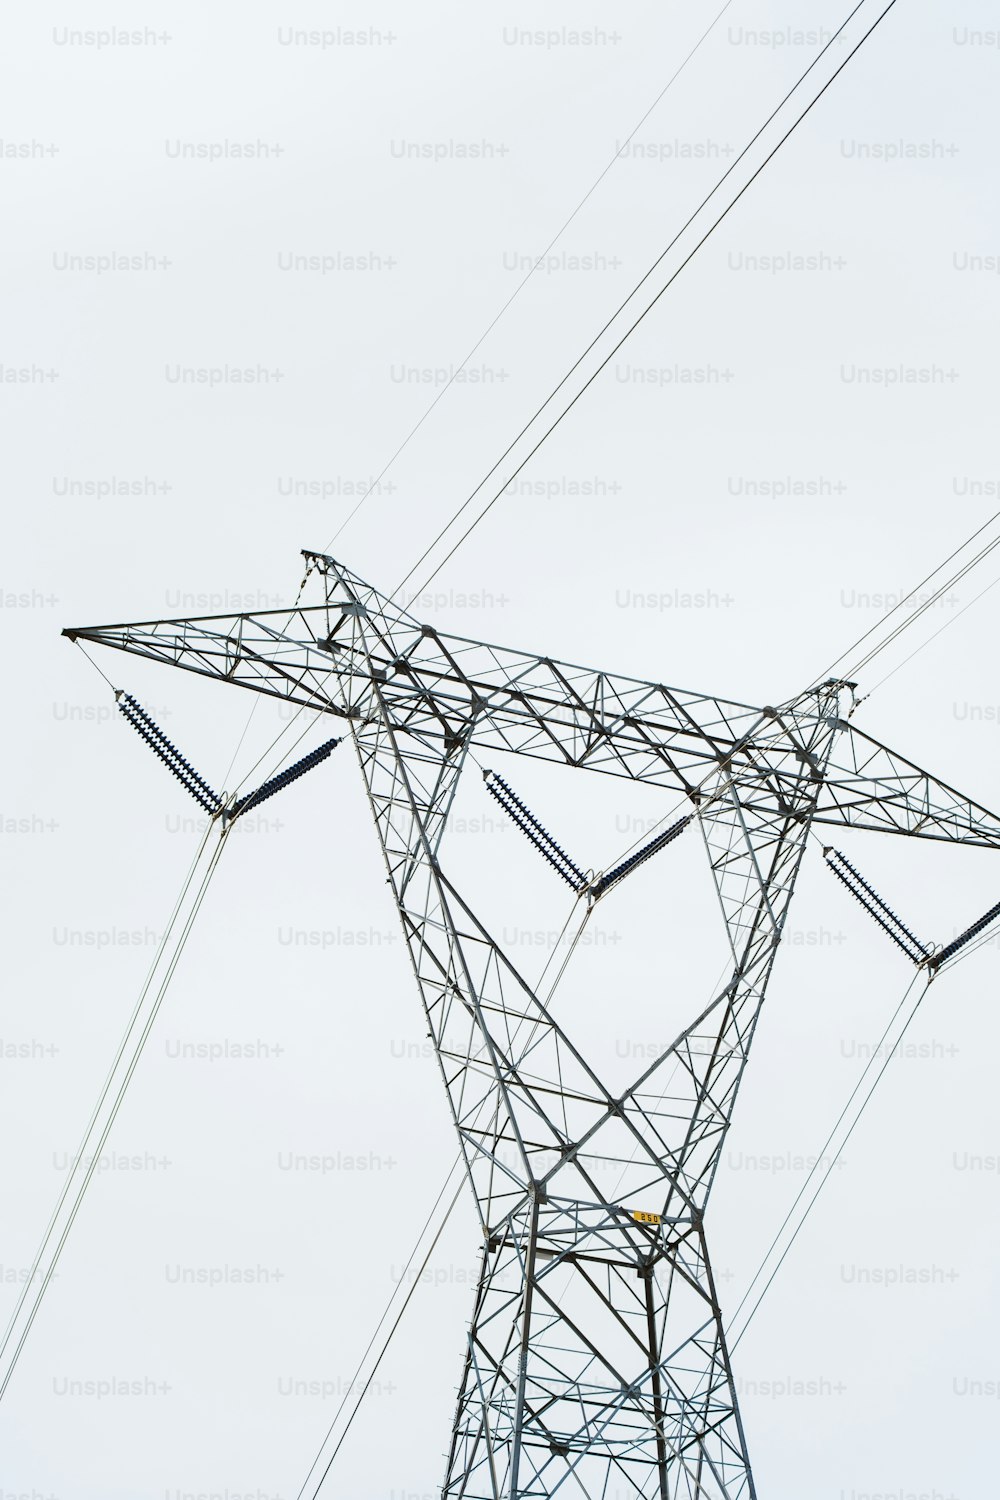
(596, 1361)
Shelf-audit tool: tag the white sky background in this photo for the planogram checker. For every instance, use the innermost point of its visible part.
(647, 489)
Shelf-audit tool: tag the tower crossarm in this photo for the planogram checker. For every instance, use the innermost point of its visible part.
(277, 652)
(869, 786)
(436, 685)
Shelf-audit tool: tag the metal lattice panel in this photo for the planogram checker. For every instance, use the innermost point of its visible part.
(596, 1361)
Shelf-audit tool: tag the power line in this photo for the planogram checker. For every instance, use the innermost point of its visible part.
(371, 1342)
(669, 282)
(375, 1368)
(88, 1154)
(905, 600)
(90, 1163)
(929, 602)
(532, 269)
(832, 1163)
(950, 621)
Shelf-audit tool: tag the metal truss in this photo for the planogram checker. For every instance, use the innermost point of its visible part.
(596, 1362)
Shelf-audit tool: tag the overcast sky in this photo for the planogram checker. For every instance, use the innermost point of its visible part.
(246, 250)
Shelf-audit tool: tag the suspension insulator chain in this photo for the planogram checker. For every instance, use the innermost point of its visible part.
(952, 948)
(283, 779)
(873, 904)
(533, 830)
(168, 753)
(195, 784)
(640, 856)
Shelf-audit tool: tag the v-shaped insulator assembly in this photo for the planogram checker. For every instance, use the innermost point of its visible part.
(887, 919)
(195, 784)
(558, 858)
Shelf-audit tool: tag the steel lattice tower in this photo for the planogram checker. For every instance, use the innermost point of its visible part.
(596, 1361)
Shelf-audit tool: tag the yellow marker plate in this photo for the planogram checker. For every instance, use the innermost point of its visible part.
(642, 1218)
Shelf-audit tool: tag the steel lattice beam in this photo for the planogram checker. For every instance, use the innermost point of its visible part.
(596, 1361)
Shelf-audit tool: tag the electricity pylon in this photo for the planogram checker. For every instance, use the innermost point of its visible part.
(596, 1360)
